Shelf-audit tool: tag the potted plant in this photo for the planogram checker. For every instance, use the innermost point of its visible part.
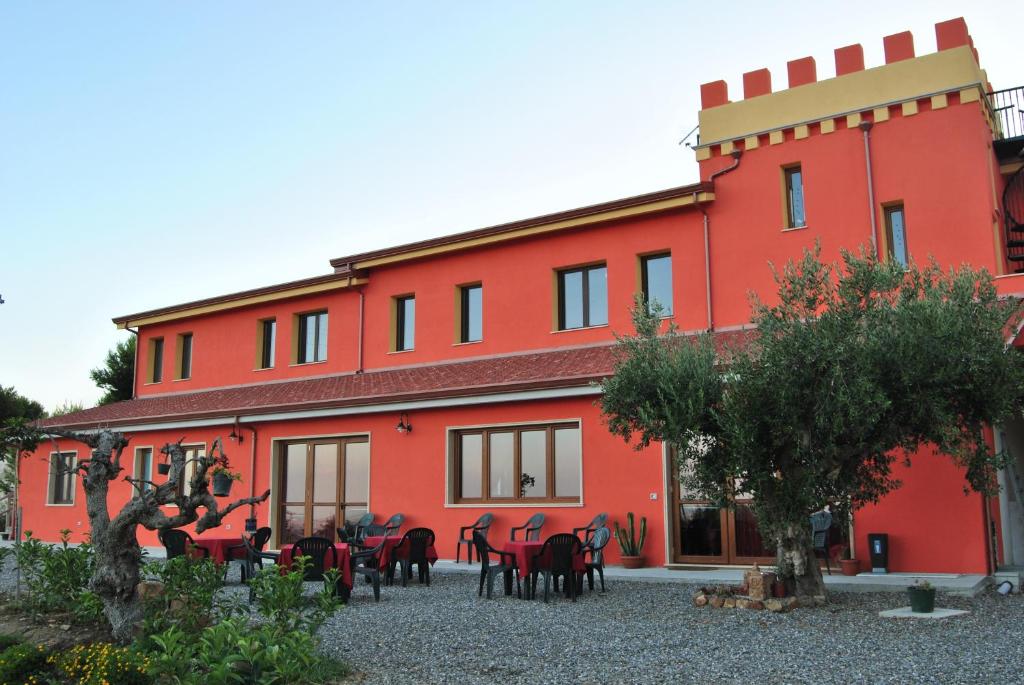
(163, 468)
(922, 597)
(629, 544)
(848, 564)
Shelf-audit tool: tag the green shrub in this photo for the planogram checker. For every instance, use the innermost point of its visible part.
(102, 663)
(9, 641)
(26, 664)
(55, 576)
(189, 599)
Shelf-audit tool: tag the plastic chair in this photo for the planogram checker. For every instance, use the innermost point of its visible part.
(589, 529)
(595, 547)
(178, 543)
(316, 548)
(359, 531)
(365, 562)
(413, 550)
(555, 560)
(532, 528)
(254, 557)
(506, 566)
(821, 522)
(258, 539)
(482, 526)
(394, 524)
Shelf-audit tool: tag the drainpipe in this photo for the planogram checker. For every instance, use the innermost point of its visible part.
(252, 470)
(736, 154)
(865, 127)
(135, 367)
(362, 302)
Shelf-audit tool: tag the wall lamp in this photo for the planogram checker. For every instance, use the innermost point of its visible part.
(404, 426)
(236, 433)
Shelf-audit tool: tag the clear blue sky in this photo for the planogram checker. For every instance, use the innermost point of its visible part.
(153, 153)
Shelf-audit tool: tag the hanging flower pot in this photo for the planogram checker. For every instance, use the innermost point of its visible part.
(222, 480)
(163, 469)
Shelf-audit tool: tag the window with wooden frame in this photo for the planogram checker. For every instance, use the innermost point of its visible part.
(183, 363)
(656, 282)
(61, 483)
(404, 328)
(312, 338)
(896, 233)
(793, 187)
(323, 484)
(266, 343)
(528, 464)
(192, 455)
(143, 469)
(470, 323)
(583, 297)
(155, 361)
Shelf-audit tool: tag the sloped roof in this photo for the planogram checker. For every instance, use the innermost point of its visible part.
(561, 368)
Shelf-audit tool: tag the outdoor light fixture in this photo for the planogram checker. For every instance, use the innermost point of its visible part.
(404, 426)
(236, 433)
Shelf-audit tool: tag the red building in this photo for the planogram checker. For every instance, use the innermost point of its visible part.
(483, 348)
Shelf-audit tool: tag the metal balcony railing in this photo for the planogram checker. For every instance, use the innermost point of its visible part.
(1007, 107)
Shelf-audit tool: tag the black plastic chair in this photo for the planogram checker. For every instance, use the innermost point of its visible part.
(821, 522)
(506, 566)
(482, 526)
(532, 528)
(254, 556)
(412, 550)
(595, 548)
(178, 543)
(555, 560)
(316, 548)
(394, 524)
(365, 562)
(359, 531)
(345, 534)
(589, 529)
(238, 552)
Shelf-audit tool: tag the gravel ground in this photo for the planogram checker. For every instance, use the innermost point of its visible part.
(643, 632)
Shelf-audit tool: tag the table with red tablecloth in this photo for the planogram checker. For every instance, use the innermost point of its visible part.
(219, 548)
(525, 550)
(391, 548)
(338, 560)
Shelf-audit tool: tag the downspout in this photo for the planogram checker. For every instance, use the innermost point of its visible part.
(135, 368)
(736, 154)
(865, 127)
(252, 470)
(362, 301)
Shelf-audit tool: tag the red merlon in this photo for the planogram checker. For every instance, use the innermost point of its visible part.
(714, 94)
(849, 59)
(952, 34)
(898, 47)
(802, 71)
(757, 83)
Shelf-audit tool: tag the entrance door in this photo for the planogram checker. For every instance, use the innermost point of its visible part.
(323, 483)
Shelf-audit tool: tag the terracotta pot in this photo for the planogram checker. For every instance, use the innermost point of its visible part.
(849, 567)
(632, 562)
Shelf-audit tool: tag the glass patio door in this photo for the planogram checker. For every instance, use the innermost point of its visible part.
(324, 483)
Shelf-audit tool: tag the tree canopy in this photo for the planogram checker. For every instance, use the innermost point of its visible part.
(860, 364)
(117, 375)
(14, 405)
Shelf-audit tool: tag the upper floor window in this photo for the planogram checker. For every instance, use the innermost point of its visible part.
(143, 468)
(61, 486)
(156, 361)
(184, 364)
(896, 234)
(656, 282)
(471, 313)
(312, 338)
(794, 181)
(520, 464)
(266, 343)
(583, 297)
(405, 323)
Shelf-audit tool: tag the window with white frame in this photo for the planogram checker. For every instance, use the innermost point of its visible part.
(61, 486)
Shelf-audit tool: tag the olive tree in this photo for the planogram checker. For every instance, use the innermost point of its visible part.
(859, 365)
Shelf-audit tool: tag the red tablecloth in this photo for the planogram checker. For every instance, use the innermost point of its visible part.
(219, 548)
(340, 560)
(525, 550)
(390, 543)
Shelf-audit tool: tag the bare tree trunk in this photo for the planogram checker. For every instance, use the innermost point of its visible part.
(114, 578)
(795, 563)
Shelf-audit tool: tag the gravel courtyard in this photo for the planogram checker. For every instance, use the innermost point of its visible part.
(643, 632)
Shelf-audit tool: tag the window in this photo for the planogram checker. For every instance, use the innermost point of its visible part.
(61, 487)
(192, 454)
(896, 234)
(527, 464)
(795, 215)
(656, 282)
(312, 346)
(583, 297)
(471, 313)
(156, 360)
(184, 356)
(405, 323)
(143, 468)
(266, 343)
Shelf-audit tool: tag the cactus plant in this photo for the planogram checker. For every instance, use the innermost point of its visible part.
(631, 545)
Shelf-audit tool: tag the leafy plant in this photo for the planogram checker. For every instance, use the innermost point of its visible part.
(102, 663)
(631, 545)
(280, 597)
(189, 597)
(23, 663)
(225, 472)
(55, 576)
(9, 641)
